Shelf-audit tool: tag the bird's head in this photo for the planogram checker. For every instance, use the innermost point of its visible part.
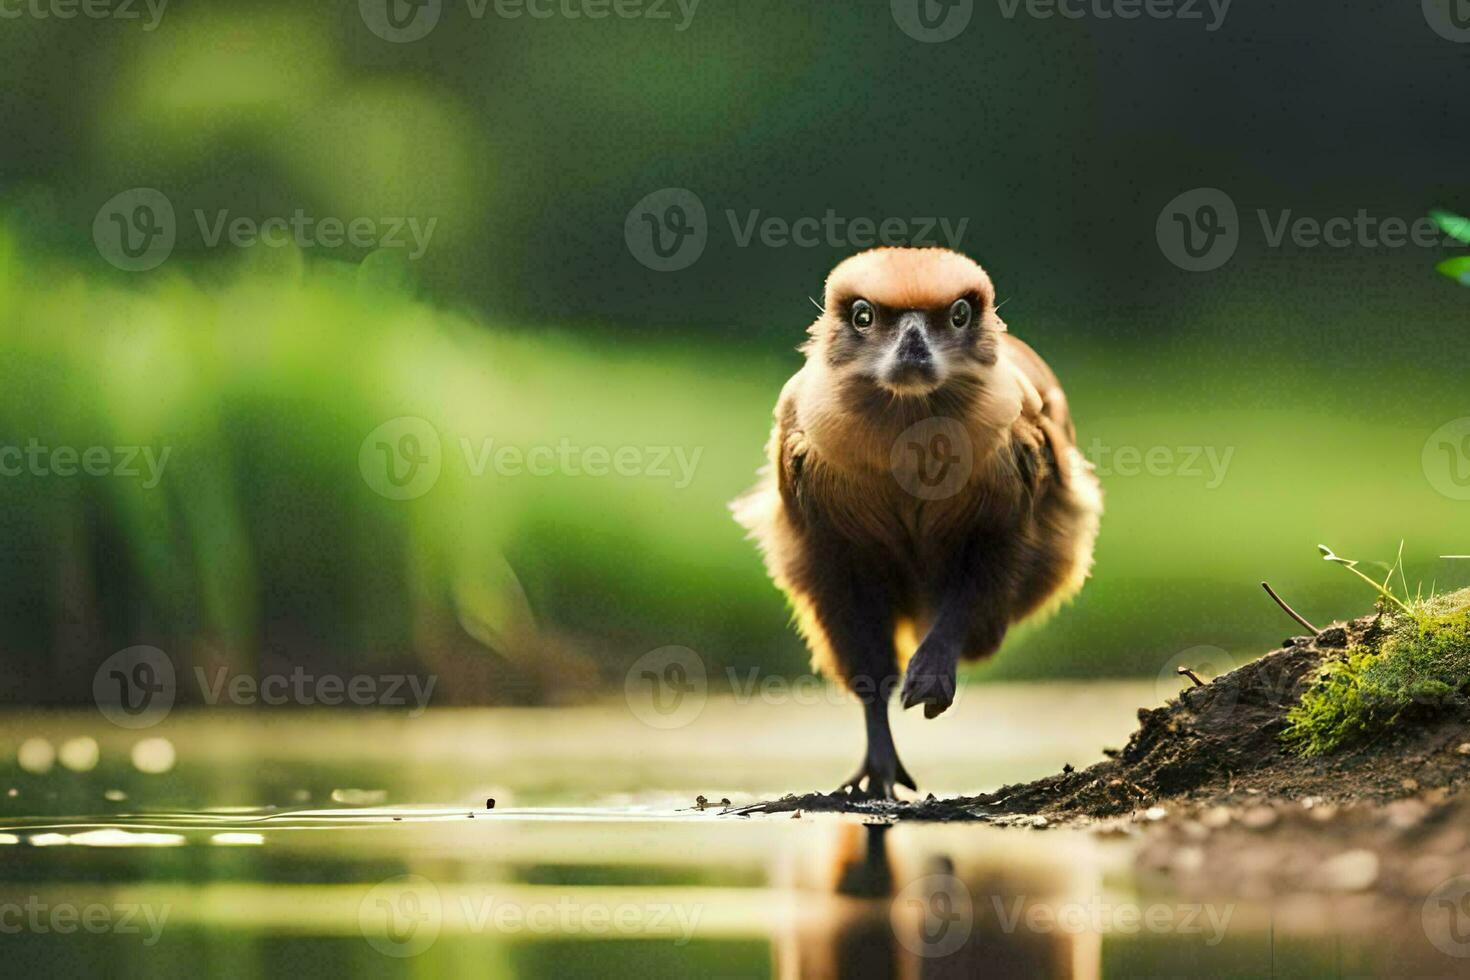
(908, 321)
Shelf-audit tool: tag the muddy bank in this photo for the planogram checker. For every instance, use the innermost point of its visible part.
(1217, 745)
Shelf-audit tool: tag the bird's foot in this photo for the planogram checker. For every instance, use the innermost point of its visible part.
(930, 681)
(877, 778)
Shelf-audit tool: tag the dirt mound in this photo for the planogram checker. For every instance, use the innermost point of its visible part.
(1217, 744)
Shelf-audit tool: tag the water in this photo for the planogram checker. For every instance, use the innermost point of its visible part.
(361, 844)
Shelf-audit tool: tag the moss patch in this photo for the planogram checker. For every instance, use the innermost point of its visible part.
(1418, 661)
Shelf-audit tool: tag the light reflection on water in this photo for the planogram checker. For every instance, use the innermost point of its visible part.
(178, 871)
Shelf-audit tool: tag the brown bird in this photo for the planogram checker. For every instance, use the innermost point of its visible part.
(924, 489)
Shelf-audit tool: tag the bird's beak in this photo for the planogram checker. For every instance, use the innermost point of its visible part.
(912, 364)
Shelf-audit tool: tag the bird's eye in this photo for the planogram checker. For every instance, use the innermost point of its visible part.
(862, 314)
(961, 314)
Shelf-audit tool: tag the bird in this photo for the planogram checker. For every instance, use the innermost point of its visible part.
(923, 489)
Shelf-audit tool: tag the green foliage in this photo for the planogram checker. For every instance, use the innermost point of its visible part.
(1457, 269)
(265, 371)
(1414, 658)
(1457, 227)
(1454, 225)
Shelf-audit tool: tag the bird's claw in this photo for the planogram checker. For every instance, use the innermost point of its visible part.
(932, 685)
(882, 780)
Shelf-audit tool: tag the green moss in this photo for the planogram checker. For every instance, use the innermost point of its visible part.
(1416, 660)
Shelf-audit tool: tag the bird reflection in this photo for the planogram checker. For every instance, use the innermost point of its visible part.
(875, 903)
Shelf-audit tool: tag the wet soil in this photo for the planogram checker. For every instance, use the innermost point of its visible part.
(1215, 746)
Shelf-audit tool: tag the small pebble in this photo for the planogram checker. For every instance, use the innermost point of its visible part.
(1188, 859)
(490, 804)
(1350, 871)
(1258, 817)
(1463, 748)
(1216, 817)
(1403, 814)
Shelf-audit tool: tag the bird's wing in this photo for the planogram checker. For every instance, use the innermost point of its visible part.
(790, 455)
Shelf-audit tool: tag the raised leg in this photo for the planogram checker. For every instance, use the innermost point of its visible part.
(973, 615)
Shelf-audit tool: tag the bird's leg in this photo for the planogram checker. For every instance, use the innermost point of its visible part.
(881, 769)
(972, 616)
(852, 606)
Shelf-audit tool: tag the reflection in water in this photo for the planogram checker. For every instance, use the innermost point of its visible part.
(204, 855)
(900, 906)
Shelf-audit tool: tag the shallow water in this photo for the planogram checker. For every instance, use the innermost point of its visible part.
(361, 844)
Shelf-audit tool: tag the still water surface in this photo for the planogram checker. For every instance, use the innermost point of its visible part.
(262, 843)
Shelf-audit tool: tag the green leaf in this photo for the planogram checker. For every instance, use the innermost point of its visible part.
(1457, 269)
(1454, 225)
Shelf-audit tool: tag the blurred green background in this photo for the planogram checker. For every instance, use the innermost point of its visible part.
(1317, 378)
